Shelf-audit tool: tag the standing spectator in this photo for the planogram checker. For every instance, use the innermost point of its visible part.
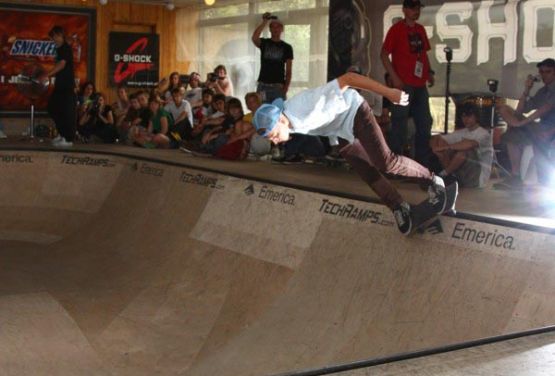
(276, 60)
(121, 105)
(467, 153)
(409, 68)
(524, 130)
(61, 104)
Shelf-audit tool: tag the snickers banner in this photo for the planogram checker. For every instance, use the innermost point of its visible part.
(134, 59)
(25, 47)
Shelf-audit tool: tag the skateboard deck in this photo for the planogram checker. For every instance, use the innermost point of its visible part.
(423, 214)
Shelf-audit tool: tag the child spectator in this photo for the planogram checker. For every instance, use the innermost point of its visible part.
(156, 135)
(85, 99)
(230, 139)
(182, 115)
(467, 153)
(120, 106)
(174, 83)
(194, 94)
(259, 145)
(132, 118)
(215, 119)
(205, 109)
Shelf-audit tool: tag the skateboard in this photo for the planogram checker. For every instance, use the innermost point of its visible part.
(423, 214)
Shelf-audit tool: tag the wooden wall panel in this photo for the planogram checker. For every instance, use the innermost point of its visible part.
(124, 16)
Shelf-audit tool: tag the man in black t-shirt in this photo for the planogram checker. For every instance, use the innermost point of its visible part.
(276, 60)
(62, 102)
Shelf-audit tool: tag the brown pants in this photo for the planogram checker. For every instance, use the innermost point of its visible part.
(369, 156)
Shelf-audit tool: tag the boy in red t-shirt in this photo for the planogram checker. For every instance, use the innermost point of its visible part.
(409, 68)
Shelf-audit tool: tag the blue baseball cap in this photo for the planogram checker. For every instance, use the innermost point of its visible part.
(267, 116)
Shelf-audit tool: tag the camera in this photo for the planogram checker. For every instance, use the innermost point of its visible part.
(212, 77)
(184, 79)
(269, 16)
(492, 85)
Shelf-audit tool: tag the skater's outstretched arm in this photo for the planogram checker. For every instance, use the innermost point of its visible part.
(365, 83)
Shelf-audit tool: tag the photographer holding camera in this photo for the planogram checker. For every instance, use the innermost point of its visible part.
(276, 60)
(526, 130)
(219, 82)
(98, 121)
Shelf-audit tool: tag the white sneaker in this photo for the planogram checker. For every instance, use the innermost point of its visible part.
(436, 194)
(2, 134)
(63, 144)
(57, 140)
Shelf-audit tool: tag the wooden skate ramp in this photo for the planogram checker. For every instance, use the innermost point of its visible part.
(112, 265)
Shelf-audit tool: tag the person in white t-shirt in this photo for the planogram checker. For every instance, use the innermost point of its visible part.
(179, 108)
(467, 153)
(336, 111)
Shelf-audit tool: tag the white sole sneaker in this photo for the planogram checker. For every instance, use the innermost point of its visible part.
(63, 144)
(56, 140)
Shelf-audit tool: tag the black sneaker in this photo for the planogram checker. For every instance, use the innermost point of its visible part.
(436, 194)
(293, 159)
(403, 218)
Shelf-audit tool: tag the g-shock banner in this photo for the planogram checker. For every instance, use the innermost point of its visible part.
(134, 59)
(503, 40)
(24, 43)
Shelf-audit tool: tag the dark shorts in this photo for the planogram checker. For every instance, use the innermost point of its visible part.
(525, 135)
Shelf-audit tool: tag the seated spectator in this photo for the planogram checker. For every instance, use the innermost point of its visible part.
(85, 98)
(98, 122)
(146, 114)
(131, 119)
(230, 140)
(466, 154)
(259, 145)
(194, 94)
(182, 116)
(156, 135)
(120, 106)
(216, 118)
(220, 82)
(536, 129)
(165, 87)
(205, 109)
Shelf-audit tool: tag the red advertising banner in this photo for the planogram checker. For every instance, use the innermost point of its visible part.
(25, 45)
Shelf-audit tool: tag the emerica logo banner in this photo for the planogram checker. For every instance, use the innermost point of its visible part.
(134, 59)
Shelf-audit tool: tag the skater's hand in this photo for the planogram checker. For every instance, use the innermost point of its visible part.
(399, 97)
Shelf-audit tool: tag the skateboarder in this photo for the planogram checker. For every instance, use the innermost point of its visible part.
(336, 111)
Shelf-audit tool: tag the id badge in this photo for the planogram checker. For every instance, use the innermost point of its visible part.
(419, 69)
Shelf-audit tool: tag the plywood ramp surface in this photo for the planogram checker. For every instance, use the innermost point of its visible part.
(143, 268)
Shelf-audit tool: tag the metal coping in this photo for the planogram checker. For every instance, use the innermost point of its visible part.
(350, 196)
(417, 354)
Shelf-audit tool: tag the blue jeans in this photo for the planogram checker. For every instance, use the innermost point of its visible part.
(270, 92)
(419, 110)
